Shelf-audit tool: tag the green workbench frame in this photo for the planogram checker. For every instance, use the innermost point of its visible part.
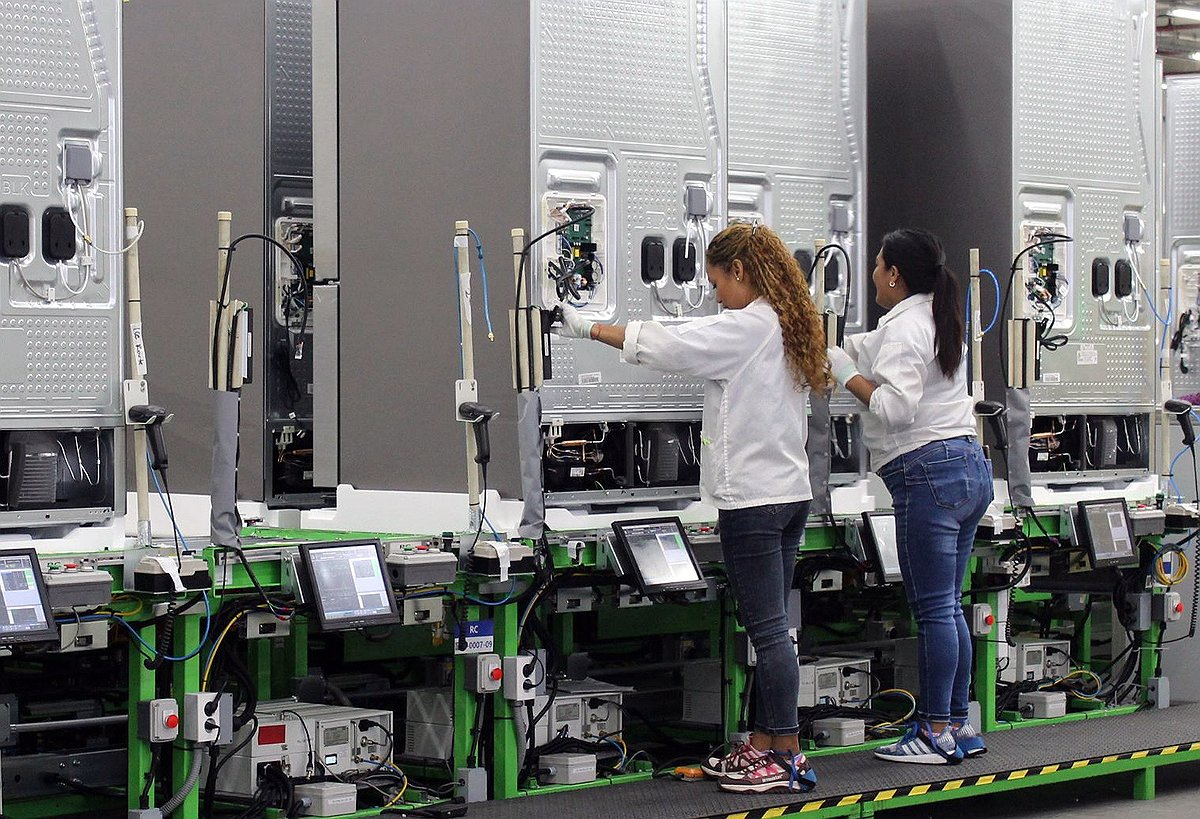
(273, 662)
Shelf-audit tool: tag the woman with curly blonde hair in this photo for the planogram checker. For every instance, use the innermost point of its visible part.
(758, 358)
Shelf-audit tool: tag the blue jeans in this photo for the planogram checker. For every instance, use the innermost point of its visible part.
(939, 493)
(759, 544)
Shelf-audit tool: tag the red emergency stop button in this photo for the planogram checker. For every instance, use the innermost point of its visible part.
(990, 620)
(171, 721)
(1179, 608)
(496, 674)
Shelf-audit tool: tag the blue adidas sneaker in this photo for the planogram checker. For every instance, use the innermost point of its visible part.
(969, 741)
(921, 747)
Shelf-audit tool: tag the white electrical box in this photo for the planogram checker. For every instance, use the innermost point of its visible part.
(834, 680)
(1036, 659)
(201, 716)
(983, 620)
(839, 732)
(520, 677)
(569, 769)
(306, 739)
(1042, 704)
(483, 673)
(583, 709)
(158, 720)
(328, 798)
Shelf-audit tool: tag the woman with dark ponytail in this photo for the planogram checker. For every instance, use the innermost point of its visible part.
(920, 430)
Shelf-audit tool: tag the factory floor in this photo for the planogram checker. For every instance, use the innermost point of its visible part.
(856, 777)
(1178, 797)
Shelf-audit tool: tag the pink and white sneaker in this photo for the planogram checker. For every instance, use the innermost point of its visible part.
(738, 757)
(772, 772)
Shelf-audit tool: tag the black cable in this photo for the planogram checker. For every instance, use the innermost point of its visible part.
(744, 705)
(87, 790)
(640, 717)
(224, 291)
(216, 762)
(1038, 523)
(551, 694)
(589, 212)
(303, 318)
(565, 744)
(312, 757)
(283, 362)
(476, 730)
(1047, 341)
(1042, 240)
(1025, 545)
(1195, 475)
(165, 635)
(1195, 614)
(151, 775)
(241, 555)
(482, 502)
(849, 266)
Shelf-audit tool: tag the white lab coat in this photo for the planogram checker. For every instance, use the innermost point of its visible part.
(914, 403)
(754, 425)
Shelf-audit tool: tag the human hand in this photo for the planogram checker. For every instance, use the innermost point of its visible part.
(573, 324)
(841, 365)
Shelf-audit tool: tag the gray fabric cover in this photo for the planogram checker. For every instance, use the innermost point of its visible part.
(529, 447)
(1019, 422)
(818, 449)
(225, 524)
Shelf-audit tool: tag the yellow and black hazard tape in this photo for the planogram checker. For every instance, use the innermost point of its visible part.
(799, 809)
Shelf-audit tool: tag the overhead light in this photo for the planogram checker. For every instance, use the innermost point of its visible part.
(1185, 13)
(1195, 55)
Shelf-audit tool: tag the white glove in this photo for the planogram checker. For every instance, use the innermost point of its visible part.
(573, 324)
(841, 365)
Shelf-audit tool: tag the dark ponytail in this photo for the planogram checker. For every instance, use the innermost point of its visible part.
(919, 257)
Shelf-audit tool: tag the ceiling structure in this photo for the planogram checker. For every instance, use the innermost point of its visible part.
(1178, 36)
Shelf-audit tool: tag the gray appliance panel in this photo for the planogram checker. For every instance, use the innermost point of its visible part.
(797, 128)
(289, 203)
(1079, 96)
(616, 71)
(793, 103)
(1182, 145)
(1181, 224)
(623, 118)
(62, 81)
(1084, 138)
(289, 87)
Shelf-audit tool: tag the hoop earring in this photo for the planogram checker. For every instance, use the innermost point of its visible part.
(892, 283)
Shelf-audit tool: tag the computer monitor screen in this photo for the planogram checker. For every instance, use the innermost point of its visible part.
(349, 585)
(24, 611)
(1108, 531)
(879, 540)
(657, 555)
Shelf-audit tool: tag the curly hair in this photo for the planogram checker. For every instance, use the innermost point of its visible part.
(773, 273)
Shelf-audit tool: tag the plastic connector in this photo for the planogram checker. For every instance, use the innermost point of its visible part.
(201, 717)
(695, 202)
(78, 161)
(14, 232)
(1133, 227)
(519, 684)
